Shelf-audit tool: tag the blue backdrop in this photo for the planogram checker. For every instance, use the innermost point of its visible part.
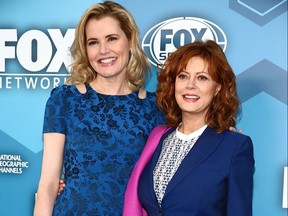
(34, 39)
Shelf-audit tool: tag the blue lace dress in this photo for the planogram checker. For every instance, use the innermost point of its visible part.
(104, 138)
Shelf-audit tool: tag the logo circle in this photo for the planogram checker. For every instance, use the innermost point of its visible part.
(167, 36)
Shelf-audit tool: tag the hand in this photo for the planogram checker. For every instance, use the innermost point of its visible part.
(234, 129)
(61, 186)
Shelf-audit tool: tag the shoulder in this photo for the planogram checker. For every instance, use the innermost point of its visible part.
(235, 135)
(63, 90)
(237, 141)
(150, 98)
(228, 138)
(61, 94)
(147, 98)
(151, 95)
(227, 134)
(146, 95)
(242, 150)
(142, 93)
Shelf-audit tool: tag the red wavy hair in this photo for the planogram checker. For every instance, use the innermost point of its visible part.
(224, 106)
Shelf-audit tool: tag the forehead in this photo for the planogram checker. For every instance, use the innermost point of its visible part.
(103, 27)
(196, 64)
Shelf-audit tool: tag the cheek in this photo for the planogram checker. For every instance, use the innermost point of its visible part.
(178, 99)
(91, 53)
(211, 94)
(126, 56)
(178, 93)
(178, 86)
(122, 47)
(125, 52)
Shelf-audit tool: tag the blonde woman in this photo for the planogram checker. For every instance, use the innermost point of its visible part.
(97, 125)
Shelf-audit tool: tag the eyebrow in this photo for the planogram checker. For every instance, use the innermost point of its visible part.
(203, 72)
(107, 36)
(196, 72)
(111, 35)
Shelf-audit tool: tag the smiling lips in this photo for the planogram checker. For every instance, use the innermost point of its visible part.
(191, 97)
(107, 60)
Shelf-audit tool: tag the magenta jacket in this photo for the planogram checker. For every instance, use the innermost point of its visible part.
(132, 206)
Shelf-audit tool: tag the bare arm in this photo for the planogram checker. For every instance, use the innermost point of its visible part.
(51, 170)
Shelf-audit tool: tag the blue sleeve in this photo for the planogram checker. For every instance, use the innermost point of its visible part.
(54, 117)
(240, 183)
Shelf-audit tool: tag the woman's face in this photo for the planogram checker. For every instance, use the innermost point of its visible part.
(107, 48)
(195, 89)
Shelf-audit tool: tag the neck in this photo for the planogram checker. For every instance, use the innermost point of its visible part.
(190, 125)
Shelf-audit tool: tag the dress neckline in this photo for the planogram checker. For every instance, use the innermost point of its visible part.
(90, 89)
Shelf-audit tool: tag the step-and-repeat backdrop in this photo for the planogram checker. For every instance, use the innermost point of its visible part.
(34, 40)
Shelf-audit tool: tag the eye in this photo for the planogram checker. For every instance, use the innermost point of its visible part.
(203, 78)
(92, 42)
(182, 76)
(112, 38)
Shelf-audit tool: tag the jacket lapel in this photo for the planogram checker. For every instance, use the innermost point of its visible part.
(153, 163)
(202, 149)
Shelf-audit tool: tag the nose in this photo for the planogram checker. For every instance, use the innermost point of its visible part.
(104, 49)
(191, 84)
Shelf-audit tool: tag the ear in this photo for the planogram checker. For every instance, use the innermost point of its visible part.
(218, 87)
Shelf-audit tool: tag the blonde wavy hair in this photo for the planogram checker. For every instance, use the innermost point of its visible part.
(224, 106)
(138, 68)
